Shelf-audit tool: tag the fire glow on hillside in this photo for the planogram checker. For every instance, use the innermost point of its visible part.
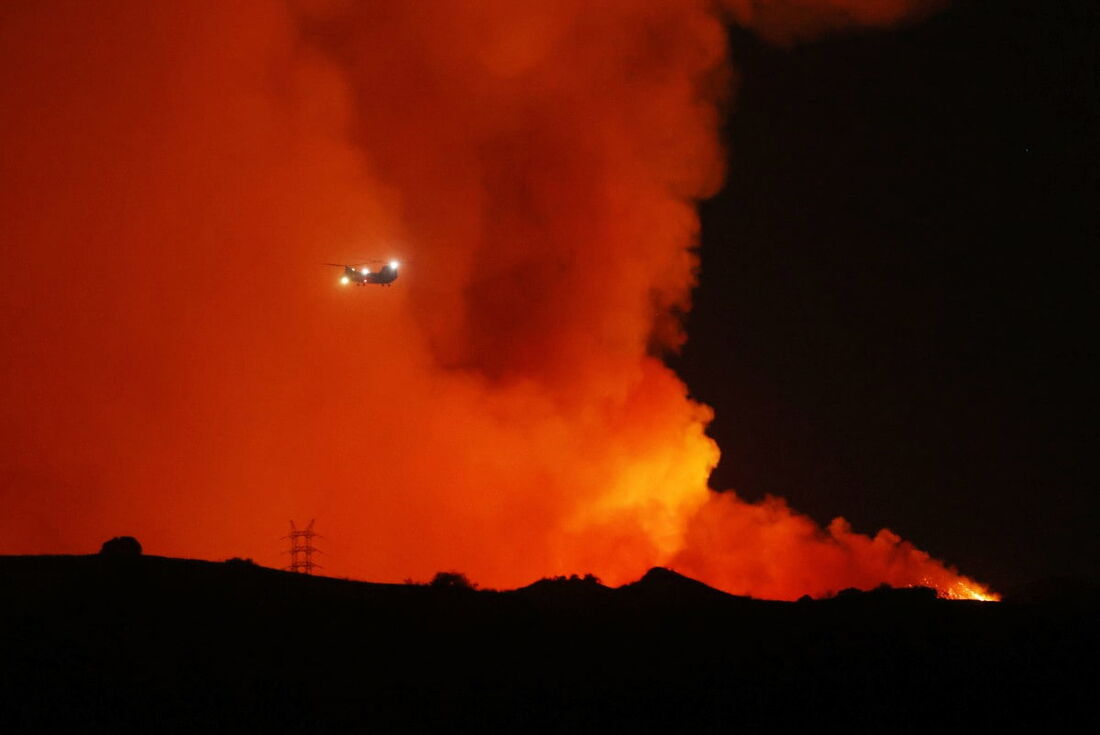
(179, 366)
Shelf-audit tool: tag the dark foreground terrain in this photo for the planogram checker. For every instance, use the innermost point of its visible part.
(151, 644)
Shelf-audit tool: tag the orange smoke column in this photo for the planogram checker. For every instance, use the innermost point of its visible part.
(768, 550)
(178, 365)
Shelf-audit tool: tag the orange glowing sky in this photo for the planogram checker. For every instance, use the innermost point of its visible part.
(179, 366)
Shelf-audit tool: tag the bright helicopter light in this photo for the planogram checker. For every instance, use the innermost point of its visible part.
(345, 280)
(364, 271)
(393, 264)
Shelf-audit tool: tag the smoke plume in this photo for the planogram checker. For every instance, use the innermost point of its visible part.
(178, 365)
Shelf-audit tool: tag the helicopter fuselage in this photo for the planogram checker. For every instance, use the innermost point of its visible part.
(361, 276)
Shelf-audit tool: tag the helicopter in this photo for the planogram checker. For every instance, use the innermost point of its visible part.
(361, 275)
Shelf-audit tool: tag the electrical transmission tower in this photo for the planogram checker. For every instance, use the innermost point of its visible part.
(301, 549)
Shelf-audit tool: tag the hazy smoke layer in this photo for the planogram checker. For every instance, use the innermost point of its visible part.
(179, 366)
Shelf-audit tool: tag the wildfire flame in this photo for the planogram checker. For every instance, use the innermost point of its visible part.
(965, 589)
(502, 410)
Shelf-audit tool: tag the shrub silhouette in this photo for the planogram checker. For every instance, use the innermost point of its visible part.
(589, 578)
(121, 546)
(452, 580)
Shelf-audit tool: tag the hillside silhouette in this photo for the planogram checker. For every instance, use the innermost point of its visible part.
(130, 643)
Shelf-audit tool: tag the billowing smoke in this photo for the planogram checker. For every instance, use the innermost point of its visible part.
(178, 365)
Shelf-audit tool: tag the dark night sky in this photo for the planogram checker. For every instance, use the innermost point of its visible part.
(894, 319)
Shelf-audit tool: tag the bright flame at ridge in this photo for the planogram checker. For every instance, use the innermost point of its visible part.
(966, 590)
